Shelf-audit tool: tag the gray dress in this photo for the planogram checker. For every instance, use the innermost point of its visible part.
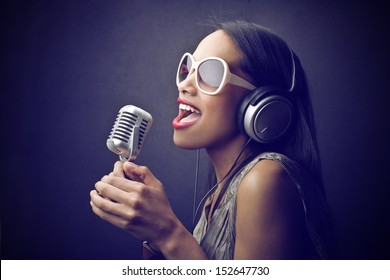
(218, 238)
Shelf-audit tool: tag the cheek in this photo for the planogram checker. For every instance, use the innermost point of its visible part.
(224, 109)
(221, 117)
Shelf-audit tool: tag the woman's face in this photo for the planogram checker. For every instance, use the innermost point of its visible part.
(213, 121)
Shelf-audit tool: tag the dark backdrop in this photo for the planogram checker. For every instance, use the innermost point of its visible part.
(69, 66)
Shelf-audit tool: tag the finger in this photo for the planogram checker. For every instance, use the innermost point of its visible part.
(107, 209)
(129, 171)
(123, 183)
(124, 194)
(140, 174)
(113, 219)
(118, 169)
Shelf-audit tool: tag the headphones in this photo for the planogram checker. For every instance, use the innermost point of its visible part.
(266, 113)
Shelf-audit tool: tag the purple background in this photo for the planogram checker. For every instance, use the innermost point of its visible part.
(69, 66)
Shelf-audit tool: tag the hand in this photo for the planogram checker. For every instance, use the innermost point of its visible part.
(137, 204)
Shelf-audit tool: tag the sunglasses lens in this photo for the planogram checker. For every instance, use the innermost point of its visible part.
(184, 68)
(210, 75)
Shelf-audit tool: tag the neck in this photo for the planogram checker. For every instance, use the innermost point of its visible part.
(223, 156)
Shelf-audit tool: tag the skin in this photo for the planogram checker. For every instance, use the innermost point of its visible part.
(270, 221)
(222, 142)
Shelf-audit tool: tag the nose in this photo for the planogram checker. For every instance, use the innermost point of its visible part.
(188, 85)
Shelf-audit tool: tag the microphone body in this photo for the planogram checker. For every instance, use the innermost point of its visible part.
(129, 132)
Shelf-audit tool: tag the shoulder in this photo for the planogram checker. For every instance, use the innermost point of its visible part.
(266, 177)
(268, 191)
(270, 216)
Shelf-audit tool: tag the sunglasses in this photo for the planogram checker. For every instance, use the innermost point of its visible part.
(211, 74)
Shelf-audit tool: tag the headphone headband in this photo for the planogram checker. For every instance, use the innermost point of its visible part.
(293, 71)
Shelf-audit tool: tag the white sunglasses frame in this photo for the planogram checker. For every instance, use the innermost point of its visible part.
(228, 77)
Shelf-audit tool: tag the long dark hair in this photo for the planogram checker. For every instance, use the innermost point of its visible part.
(267, 60)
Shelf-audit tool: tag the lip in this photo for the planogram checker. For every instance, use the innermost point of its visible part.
(176, 122)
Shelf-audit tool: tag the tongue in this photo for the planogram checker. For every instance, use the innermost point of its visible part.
(191, 117)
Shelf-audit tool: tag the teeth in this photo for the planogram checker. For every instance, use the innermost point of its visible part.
(188, 108)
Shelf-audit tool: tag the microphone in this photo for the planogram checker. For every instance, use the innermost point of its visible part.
(129, 132)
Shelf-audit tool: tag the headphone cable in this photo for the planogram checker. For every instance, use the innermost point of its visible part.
(196, 185)
(216, 185)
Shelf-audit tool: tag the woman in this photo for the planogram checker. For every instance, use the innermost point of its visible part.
(268, 201)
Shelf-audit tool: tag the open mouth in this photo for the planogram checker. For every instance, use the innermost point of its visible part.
(188, 115)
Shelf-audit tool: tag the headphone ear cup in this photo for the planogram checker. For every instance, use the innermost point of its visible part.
(265, 114)
(243, 107)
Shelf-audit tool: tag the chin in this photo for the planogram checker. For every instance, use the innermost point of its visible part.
(183, 143)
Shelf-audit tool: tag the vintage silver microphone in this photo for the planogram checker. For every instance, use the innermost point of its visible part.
(129, 132)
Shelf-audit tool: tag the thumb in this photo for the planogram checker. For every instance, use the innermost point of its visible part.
(118, 169)
(140, 174)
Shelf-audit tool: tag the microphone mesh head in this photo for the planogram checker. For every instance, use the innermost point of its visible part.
(125, 122)
(129, 132)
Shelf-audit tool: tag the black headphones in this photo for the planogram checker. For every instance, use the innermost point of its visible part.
(266, 113)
